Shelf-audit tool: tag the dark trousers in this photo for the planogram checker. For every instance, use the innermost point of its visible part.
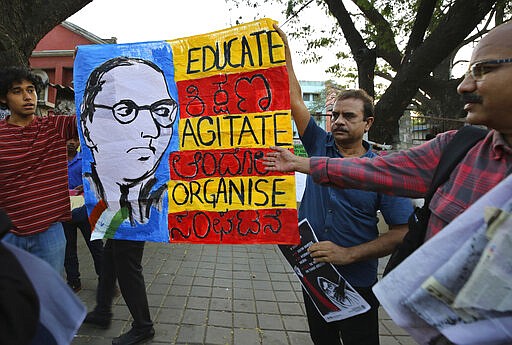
(362, 329)
(122, 259)
(80, 221)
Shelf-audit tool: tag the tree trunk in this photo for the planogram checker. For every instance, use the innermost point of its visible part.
(457, 24)
(24, 23)
(366, 61)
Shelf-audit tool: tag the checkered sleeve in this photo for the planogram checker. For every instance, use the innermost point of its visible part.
(406, 173)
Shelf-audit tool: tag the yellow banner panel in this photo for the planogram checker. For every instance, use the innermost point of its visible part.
(234, 193)
(247, 47)
(257, 130)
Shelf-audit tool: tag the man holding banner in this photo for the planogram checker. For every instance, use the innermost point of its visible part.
(33, 172)
(345, 221)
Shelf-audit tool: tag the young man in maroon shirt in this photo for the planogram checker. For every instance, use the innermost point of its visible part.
(33, 173)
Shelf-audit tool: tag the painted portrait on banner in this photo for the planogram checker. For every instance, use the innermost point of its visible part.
(172, 133)
(127, 110)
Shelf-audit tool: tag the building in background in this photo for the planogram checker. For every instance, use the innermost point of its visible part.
(52, 60)
(313, 94)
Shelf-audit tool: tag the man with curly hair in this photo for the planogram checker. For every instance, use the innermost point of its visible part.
(33, 173)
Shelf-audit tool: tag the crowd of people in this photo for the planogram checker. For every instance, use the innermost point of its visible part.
(347, 184)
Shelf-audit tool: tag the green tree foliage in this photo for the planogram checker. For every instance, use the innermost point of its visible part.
(24, 23)
(412, 44)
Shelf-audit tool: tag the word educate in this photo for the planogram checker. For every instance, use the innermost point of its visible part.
(238, 52)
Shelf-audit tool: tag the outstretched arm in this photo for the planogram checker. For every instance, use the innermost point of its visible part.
(281, 159)
(300, 112)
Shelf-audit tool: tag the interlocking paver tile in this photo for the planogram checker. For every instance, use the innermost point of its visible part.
(245, 320)
(270, 321)
(216, 295)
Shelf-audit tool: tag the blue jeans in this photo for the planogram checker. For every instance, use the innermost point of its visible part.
(49, 245)
(80, 220)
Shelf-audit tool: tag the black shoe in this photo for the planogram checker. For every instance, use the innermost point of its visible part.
(134, 336)
(98, 320)
(75, 285)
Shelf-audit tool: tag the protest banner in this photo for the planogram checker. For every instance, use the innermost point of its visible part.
(172, 134)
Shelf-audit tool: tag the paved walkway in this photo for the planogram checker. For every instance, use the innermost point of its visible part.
(212, 294)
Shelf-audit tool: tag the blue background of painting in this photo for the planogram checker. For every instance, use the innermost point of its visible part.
(89, 57)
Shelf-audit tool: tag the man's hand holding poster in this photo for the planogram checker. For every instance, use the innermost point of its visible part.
(172, 133)
(332, 295)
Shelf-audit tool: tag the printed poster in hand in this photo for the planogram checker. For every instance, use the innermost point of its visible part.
(331, 294)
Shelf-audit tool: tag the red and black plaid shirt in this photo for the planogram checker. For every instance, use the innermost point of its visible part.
(410, 172)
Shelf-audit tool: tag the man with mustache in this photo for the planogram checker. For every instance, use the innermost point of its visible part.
(345, 221)
(33, 172)
(487, 93)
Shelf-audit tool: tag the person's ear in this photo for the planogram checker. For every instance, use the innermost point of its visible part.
(369, 123)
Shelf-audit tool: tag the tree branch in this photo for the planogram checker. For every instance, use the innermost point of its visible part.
(352, 35)
(365, 57)
(386, 45)
(455, 26)
(421, 23)
(24, 23)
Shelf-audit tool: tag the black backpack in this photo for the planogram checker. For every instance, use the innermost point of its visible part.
(464, 139)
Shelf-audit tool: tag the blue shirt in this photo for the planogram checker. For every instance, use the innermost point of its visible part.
(75, 171)
(347, 217)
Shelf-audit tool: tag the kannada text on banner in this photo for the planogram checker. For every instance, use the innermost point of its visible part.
(234, 104)
(172, 133)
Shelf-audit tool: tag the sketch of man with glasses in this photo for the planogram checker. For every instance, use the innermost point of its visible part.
(127, 118)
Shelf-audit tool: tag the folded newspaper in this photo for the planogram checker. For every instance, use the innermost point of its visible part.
(434, 300)
(456, 286)
(490, 285)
